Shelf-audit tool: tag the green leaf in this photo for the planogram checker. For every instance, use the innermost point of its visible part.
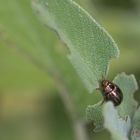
(128, 85)
(94, 115)
(117, 126)
(25, 39)
(135, 135)
(91, 47)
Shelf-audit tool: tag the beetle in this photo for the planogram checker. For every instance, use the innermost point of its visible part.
(111, 92)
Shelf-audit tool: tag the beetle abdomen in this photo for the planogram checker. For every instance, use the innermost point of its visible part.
(111, 92)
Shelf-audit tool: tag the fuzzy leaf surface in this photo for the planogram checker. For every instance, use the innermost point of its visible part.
(91, 47)
(128, 85)
(118, 127)
(94, 116)
(135, 135)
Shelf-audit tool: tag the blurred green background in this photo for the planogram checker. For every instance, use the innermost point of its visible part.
(40, 92)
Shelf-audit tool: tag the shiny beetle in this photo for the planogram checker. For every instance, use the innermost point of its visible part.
(111, 92)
